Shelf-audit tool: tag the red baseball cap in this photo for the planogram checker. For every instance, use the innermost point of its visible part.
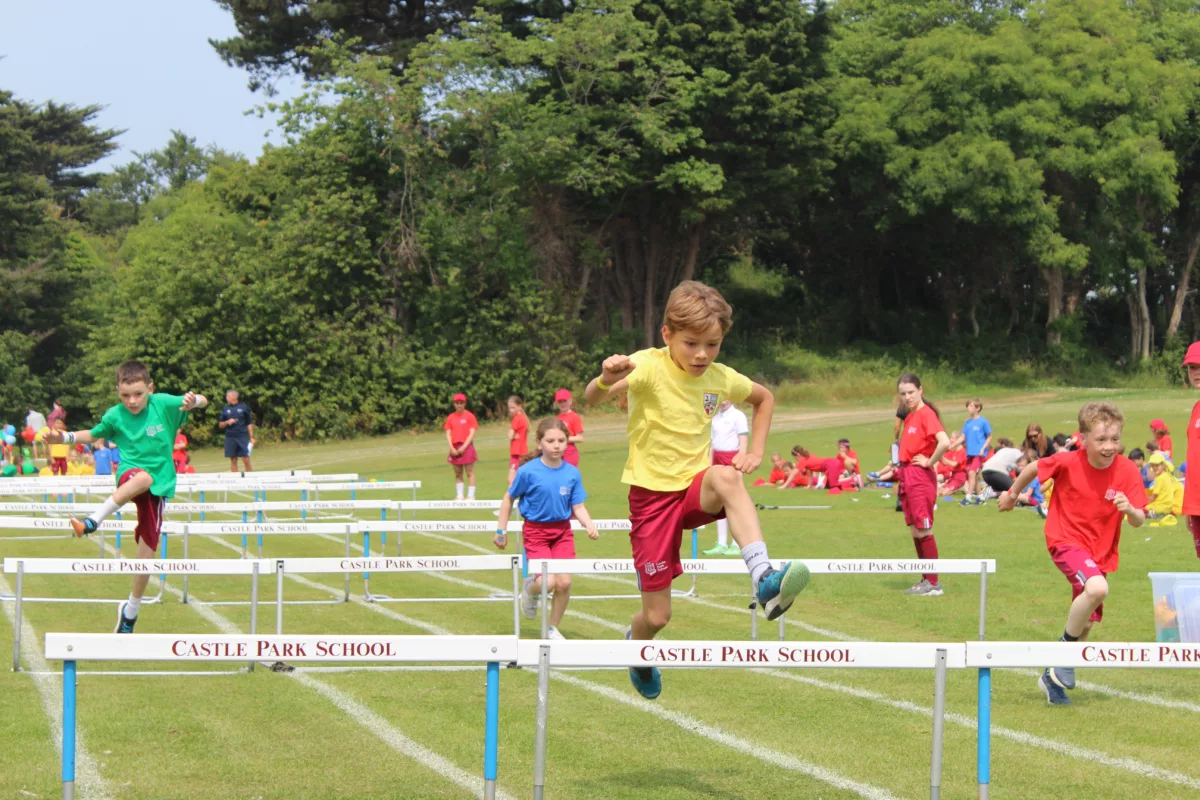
(1157, 424)
(1193, 354)
(562, 394)
(460, 397)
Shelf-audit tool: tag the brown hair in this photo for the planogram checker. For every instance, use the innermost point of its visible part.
(544, 427)
(132, 372)
(694, 306)
(976, 402)
(1004, 441)
(911, 377)
(1097, 413)
(801, 451)
(516, 398)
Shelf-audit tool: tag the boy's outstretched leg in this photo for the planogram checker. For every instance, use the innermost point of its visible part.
(136, 484)
(723, 490)
(654, 616)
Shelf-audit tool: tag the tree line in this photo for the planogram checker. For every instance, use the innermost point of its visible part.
(488, 199)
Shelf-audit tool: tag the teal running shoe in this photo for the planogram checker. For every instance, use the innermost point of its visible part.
(647, 680)
(777, 589)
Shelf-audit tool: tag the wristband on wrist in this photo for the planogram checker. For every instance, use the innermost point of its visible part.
(501, 532)
(600, 384)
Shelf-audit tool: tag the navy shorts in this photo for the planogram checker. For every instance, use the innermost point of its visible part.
(237, 448)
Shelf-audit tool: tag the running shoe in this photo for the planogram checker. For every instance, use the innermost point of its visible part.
(552, 633)
(647, 680)
(873, 476)
(716, 550)
(733, 550)
(1055, 696)
(1041, 510)
(84, 527)
(124, 624)
(925, 589)
(529, 602)
(1063, 677)
(777, 589)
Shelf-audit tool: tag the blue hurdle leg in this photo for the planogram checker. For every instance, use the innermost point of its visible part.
(984, 749)
(491, 730)
(695, 543)
(244, 540)
(68, 734)
(303, 499)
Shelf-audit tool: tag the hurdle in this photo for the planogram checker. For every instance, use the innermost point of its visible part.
(71, 648)
(985, 656)
(545, 655)
(717, 566)
(113, 567)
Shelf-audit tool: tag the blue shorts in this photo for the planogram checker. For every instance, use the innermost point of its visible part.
(237, 448)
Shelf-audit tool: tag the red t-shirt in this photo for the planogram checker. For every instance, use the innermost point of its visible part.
(1082, 513)
(853, 468)
(1164, 444)
(777, 475)
(460, 426)
(959, 456)
(919, 435)
(574, 422)
(814, 464)
(180, 454)
(519, 446)
(1191, 489)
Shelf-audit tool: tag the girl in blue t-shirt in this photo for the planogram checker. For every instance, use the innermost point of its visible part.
(551, 493)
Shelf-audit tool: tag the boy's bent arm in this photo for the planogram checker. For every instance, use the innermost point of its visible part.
(614, 374)
(764, 407)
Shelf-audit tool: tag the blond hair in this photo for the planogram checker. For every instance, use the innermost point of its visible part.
(1097, 413)
(694, 306)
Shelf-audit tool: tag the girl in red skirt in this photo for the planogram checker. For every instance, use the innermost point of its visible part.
(460, 428)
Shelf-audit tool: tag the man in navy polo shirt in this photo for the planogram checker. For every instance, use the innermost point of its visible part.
(238, 424)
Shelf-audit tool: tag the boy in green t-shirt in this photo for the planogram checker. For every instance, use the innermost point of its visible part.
(143, 425)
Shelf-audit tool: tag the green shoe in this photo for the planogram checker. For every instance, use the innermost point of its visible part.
(717, 550)
(733, 550)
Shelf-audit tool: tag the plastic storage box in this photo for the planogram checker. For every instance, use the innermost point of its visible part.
(1176, 606)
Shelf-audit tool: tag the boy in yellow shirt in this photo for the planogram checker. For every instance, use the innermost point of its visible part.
(673, 393)
(58, 452)
(1165, 494)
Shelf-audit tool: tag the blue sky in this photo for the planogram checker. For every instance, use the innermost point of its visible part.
(147, 61)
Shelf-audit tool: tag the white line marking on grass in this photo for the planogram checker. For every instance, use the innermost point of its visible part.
(722, 737)
(1150, 699)
(1021, 737)
(88, 780)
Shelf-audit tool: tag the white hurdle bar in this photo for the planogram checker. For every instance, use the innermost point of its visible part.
(112, 567)
(70, 648)
(825, 566)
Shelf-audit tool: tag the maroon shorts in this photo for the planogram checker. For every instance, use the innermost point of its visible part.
(1193, 524)
(833, 472)
(723, 458)
(956, 481)
(974, 463)
(918, 495)
(58, 466)
(571, 455)
(1078, 566)
(469, 456)
(547, 540)
(514, 461)
(658, 521)
(151, 510)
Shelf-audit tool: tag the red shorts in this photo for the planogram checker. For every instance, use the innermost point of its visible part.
(659, 520)
(956, 481)
(975, 463)
(918, 495)
(723, 458)
(571, 455)
(151, 510)
(514, 461)
(833, 472)
(1078, 566)
(547, 540)
(58, 466)
(469, 456)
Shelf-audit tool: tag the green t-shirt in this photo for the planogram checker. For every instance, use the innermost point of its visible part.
(147, 440)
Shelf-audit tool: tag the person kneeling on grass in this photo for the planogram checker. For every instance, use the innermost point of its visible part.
(551, 493)
(1095, 489)
(144, 424)
(1165, 495)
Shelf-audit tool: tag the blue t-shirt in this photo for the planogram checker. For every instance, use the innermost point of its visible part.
(547, 494)
(103, 457)
(1035, 488)
(243, 419)
(115, 453)
(977, 431)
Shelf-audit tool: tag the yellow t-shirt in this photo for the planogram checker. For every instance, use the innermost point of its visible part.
(670, 419)
(73, 468)
(1163, 490)
(59, 450)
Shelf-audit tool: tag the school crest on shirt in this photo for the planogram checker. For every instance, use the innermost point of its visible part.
(711, 401)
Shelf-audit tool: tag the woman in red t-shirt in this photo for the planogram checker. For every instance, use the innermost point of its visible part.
(518, 435)
(1191, 489)
(460, 428)
(923, 442)
(562, 399)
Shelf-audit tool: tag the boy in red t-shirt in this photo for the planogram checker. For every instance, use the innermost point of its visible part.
(562, 399)
(460, 428)
(1191, 489)
(518, 435)
(1095, 488)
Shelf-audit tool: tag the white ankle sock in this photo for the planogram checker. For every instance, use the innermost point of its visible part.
(470, 492)
(458, 490)
(131, 607)
(755, 556)
(723, 532)
(106, 509)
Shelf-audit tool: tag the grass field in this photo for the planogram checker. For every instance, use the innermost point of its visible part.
(724, 735)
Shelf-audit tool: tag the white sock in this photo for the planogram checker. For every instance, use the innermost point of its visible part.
(107, 508)
(723, 532)
(458, 490)
(755, 556)
(470, 492)
(131, 607)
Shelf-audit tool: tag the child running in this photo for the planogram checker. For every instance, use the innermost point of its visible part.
(144, 424)
(566, 412)
(518, 435)
(1191, 489)
(551, 493)
(923, 442)
(1094, 489)
(1162, 437)
(673, 393)
(461, 427)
